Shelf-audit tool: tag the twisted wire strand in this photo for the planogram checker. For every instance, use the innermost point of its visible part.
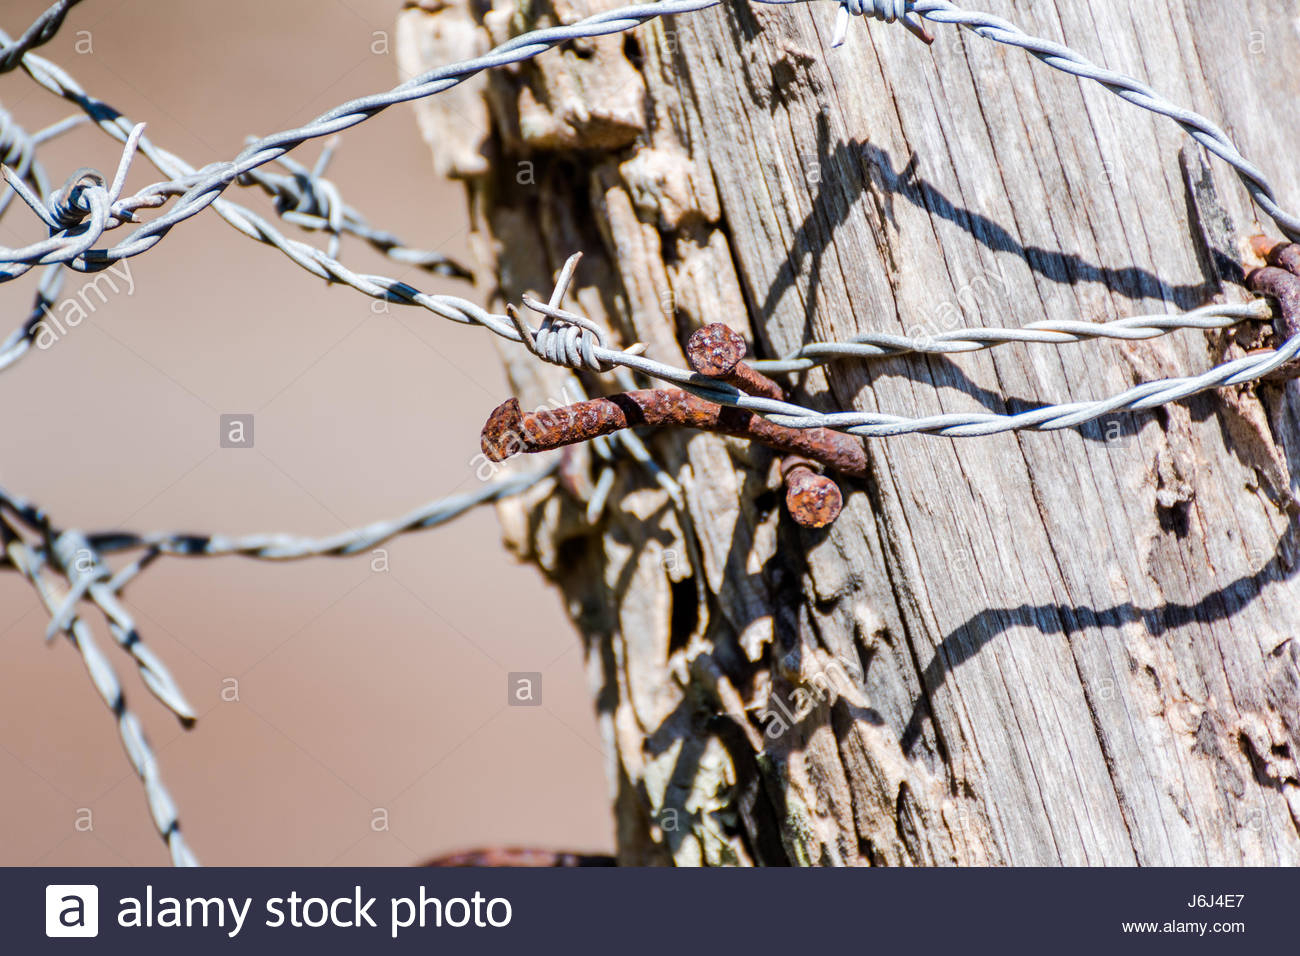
(583, 349)
(1061, 57)
(41, 31)
(204, 188)
(215, 178)
(581, 341)
(88, 578)
(249, 223)
(141, 755)
(589, 353)
(304, 193)
(870, 345)
(285, 547)
(313, 203)
(79, 558)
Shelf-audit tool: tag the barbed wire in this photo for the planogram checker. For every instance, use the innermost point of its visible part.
(577, 337)
(79, 557)
(88, 207)
(18, 150)
(576, 342)
(41, 31)
(201, 189)
(304, 196)
(310, 201)
(283, 547)
(871, 345)
(143, 759)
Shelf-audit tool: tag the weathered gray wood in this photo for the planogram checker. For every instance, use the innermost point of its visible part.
(1076, 647)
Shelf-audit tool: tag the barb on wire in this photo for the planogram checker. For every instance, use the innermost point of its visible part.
(18, 152)
(181, 177)
(85, 194)
(564, 338)
(40, 32)
(887, 11)
(310, 201)
(204, 188)
(78, 557)
(308, 257)
(143, 759)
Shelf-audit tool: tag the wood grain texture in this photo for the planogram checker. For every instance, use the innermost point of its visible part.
(1074, 647)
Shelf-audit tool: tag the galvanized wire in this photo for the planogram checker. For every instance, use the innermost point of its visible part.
(313, 203)
(587, 352)
(567, 339)
(201, 189)
(304, 197)
(283, 547)
(79, 558)
(41, 31)
(871, 345)
(18, 153)
(143, 759)
(1061, 57)
(571, 340)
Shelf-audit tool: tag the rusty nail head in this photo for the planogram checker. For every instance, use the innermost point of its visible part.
(1280, 280)
(717, 351)
(812, 499)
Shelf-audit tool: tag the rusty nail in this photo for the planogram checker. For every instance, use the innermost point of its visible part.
(717, 351)
(812, 499)
(509, 430)
(1280, 280)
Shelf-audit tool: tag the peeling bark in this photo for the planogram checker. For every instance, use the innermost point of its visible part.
(1062, 648)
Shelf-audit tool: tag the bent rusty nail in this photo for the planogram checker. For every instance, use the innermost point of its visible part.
(716, 350)
(509, 430)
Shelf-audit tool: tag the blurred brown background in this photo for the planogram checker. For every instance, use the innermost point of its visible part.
(359, 690)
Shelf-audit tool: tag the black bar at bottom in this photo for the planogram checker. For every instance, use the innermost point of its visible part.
(673, 912)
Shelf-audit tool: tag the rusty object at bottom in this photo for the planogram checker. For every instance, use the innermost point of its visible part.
(520, 857)
(510, 431)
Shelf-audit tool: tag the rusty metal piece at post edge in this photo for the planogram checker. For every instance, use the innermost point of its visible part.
(1280, 280)
(510, 431)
